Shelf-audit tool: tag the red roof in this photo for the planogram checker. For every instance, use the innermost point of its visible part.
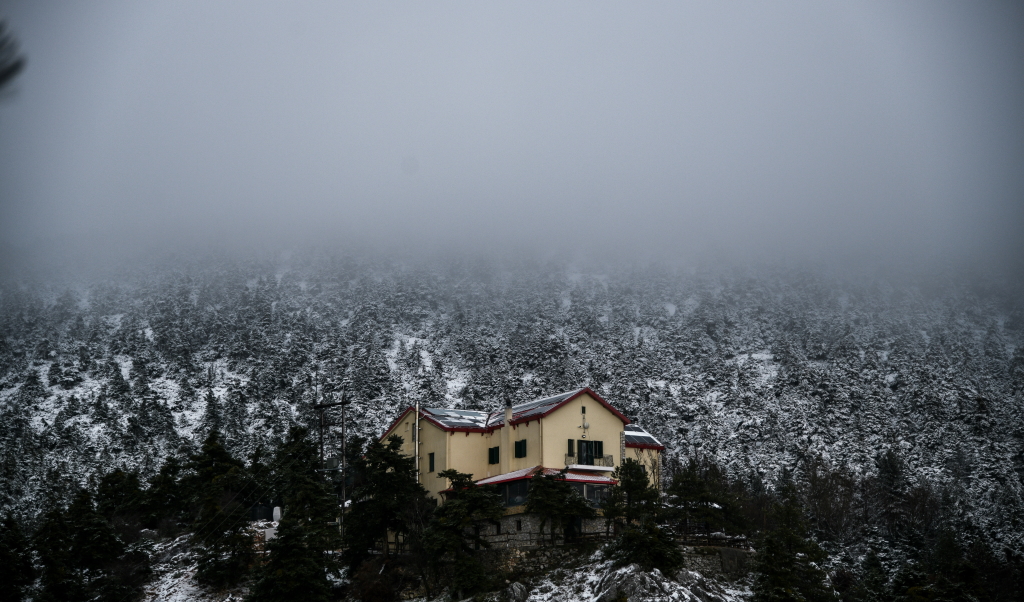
(533, 410)
(528, 473)
(473, 421)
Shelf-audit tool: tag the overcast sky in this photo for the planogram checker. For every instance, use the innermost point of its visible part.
(652, 129)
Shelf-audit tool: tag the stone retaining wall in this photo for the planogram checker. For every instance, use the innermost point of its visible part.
(712, 561)
(524, 531)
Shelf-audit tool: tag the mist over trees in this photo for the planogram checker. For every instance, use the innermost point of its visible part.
(894, 408)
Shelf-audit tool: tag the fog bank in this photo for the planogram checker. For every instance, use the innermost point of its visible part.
(805, 132)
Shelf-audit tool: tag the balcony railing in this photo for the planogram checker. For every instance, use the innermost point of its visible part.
(589, 460)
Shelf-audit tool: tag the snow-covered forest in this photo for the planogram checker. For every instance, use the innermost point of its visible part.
(761, 371)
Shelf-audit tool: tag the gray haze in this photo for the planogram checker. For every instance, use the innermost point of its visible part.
(674, 130)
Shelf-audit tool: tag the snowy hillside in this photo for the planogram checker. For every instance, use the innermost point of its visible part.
(761, 370)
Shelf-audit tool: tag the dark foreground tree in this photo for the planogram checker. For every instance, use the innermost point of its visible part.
(447, 550)
(385, 489)
(58, 579)
(82, 558)
(634, 505)
(633, 497)
(787, 563)
(704, 499)
(557, 503)
(164, 504)
(302, 554)
(224, 548)
(16, 570)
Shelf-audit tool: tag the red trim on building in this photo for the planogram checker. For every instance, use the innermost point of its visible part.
(514, 422)
(532, 473)
(431, 420)
(646, 446)
(586, 390)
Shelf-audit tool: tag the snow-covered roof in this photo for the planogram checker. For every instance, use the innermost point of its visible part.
(636, 436)
(456, 419)
(528, 473)
(539, 407)
(476, 420)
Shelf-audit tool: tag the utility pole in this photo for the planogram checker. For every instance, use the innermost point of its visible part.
(323, 407)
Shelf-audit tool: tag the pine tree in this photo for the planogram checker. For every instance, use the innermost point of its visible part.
(94, 545)
(705, 499)
(119, 496)
(117, 386)
(632, 498)
(164, 502)
(786, 566)
(213, 417)
(872, 585)
(385, 489)
(217, 480)
(557, 503)
(301, 554)
(636, 506)
(58, 581)
(16, 570)
(447, 546)
(77, 550)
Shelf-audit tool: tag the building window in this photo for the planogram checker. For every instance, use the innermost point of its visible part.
(497, 529)
(514, 493)
(492, 455)
(583, 409)
(572, 447)
(519, 524)
(590, 451)
(521, 448)
(430, 460)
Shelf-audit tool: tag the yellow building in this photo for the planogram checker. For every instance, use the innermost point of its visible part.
(577, 430)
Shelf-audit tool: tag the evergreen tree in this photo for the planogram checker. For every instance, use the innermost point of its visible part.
(635, 505)
(119, 496)
(447, 546)
(633, 497)
(164, 502)
(301, 554)
(872, 585)
(94, 545)
(16, 570)
(385, 489)
(557, 503)
(83, 559)
(117, 386)
(648, 545)
(786, 566)
(58, 580)
(213, 417)
(217, 480)
(704, 499)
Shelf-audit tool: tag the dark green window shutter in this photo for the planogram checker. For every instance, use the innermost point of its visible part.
(598, 449)
(521, 448)
(492, 455)
(431, 459)
(572, 447)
